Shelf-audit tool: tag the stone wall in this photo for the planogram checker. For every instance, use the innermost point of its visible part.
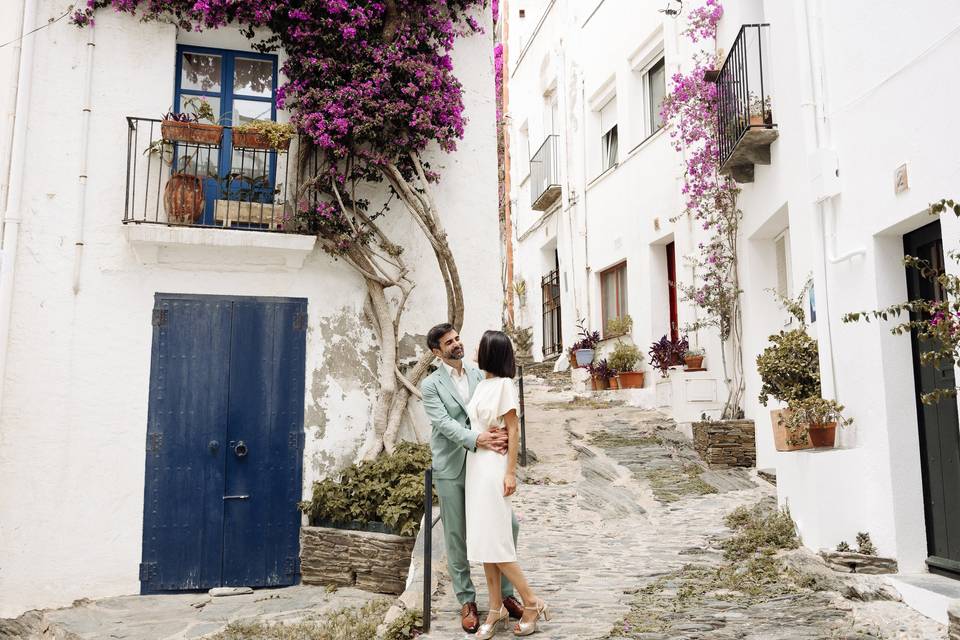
(953, 614)
(370, 561)
(724, 444)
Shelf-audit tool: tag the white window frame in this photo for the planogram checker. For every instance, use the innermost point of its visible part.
(644, 71)
(605, 136)
(784, 287)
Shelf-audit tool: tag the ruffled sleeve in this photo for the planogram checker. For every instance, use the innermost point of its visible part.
(506, 398)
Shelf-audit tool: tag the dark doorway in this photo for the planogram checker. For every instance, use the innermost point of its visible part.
(550, 288)
(672, 290)
(939, 436)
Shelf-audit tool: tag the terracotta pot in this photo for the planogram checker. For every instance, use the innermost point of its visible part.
(254, 140)
(781, 434)
(631, 379)
(183, 199)
(599, 383)
(573, 361)
(756, 121)
(613, 383)
(191, 132)
(823, 435)
(693, 362)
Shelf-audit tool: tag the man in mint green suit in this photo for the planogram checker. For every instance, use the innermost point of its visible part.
(446, 393)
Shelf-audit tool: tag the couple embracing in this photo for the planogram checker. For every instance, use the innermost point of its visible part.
(475, 437)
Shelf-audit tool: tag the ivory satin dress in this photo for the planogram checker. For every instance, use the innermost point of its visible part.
(489, 514)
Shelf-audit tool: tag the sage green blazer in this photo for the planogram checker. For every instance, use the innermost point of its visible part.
(450, 436)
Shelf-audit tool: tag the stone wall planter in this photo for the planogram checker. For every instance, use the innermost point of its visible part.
(852, 562)
(726, 443)
(366, 560)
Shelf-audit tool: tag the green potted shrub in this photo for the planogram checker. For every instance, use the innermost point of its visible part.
(263, 134)
(618, 327)
(790, 372)
(814, 419)
(626, 358)
(693, 359)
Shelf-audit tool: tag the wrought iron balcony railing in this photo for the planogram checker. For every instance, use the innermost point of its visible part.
(744, 115)
(545, 174)
(205, 175)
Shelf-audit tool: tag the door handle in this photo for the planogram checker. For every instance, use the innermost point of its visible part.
(236, 497)
(240, 448)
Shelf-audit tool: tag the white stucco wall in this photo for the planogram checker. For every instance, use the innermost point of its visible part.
(73, 420)
(887, 102)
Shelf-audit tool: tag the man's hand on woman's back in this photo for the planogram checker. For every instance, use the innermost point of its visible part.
(495, 439)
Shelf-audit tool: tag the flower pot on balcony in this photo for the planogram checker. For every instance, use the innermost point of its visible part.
(823, 435)
(613, 383)
(584, 357)
(599, 383)
(693, 362)
(191, 132)
(631, 379)
(183, 199)
(782, 435)
(256, 140)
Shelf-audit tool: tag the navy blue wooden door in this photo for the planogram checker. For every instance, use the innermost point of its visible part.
(224, 443)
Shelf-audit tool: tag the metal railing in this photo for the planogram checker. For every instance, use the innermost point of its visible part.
(545, 170)
(552, 334)
(181, 177)
(743, 101)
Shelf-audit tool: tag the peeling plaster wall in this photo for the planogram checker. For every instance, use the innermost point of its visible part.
(73, 422)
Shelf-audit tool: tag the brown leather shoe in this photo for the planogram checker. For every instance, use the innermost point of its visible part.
(469, 618)
(514, 606)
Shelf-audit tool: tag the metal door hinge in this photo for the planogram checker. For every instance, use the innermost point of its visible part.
(154, 440)
(300, 321)
(148, 571)
(160, 317)
(296, 439)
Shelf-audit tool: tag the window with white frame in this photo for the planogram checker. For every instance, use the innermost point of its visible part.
(651, 92)
(608, 135)
(781, 246)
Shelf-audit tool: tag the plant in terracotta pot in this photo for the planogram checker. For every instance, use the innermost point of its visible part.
(790, 372)
(666, 353)
(188, 127)
(263, 134)
(815, 418)
(626, 359)
(584, 349)
(760, 112)
(183, 197)
(599, 374)
(693, 359)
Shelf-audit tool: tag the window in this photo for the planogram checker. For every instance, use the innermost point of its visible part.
(613, 294)
(608, 135)
(781, 245)
(523, 150)
(655, 85)
(551, 115)
(240, 86)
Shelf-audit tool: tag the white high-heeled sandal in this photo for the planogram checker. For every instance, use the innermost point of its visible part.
(487, 631)
(529, 628)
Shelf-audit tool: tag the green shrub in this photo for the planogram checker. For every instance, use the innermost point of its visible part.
(790, 367)
(388, 489)
(760, 529)
(407, 626)
(625, 357)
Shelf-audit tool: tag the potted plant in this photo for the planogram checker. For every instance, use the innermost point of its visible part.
(584, 349)
(613, 377)
(760, 113)
(667, 352)
(625, 358)
(187, 126)
(599, 375)
(816, 419)
(263, 134)
(790, 372)
(618, 327)
(693, 359)
(183, 199)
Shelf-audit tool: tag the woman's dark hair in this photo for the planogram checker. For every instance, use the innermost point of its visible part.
(495, 354)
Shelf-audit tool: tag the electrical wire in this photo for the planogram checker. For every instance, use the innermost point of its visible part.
(49, 23)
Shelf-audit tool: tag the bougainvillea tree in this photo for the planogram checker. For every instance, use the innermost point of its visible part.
(711, 200)
(370, 85)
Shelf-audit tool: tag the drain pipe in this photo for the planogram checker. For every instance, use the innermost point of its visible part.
(12, 213)
(84, 152)
(10, 108)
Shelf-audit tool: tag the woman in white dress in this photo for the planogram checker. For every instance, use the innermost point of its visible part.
(491, 480)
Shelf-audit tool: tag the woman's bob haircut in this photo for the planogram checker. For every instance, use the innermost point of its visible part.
(495, 355)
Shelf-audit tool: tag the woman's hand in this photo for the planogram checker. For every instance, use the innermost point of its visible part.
(509, 484)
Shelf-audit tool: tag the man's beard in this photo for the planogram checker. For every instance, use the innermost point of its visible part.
(455, 354)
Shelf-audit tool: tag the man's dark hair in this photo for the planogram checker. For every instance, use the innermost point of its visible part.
(437, 332)
(495, 354)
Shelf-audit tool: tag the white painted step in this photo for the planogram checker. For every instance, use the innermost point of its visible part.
(928, 593)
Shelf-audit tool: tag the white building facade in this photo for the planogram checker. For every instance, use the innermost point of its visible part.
(116, 319)
(843, 194)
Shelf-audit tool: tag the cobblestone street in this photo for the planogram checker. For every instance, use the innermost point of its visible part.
(620, 533)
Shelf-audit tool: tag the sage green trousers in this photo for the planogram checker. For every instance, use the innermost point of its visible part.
(453, 513)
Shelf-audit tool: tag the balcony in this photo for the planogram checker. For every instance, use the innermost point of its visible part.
(196, 192)
(545, 175)
(744, 117)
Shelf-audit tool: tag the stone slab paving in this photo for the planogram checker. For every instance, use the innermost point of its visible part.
(618, 499)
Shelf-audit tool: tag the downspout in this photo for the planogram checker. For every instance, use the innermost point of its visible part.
(84, 148)
(12, 213)
(10, 108)
(586, 224)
